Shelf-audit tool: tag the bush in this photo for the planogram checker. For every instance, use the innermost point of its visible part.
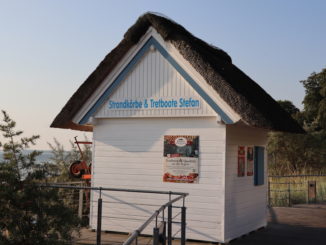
(29, 214)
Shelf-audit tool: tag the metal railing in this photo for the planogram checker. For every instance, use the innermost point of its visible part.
(160, 233)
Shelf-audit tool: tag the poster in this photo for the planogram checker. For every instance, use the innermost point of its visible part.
(250, 161)
(181, 155)
(241, 161)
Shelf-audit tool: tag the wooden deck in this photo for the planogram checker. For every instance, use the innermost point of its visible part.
(89, 238)
(304, 224)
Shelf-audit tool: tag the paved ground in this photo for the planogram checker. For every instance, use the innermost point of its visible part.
(299, 225)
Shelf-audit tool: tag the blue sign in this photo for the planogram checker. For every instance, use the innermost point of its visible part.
(130, 104)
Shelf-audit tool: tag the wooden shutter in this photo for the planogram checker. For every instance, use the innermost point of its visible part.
(259, 165)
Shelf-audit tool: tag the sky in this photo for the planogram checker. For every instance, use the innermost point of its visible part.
(48, 48)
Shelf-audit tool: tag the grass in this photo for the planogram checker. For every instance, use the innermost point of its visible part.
(287, 191)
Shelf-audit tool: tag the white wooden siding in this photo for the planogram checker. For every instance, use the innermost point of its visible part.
(128, 153)
(154, 77)
(245, 203)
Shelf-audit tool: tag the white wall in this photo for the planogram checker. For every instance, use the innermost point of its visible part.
(245, 203)
(128, 153)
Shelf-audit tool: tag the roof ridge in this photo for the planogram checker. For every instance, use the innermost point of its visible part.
(169, 30)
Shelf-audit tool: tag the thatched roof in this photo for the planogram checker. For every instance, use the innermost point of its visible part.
(244, 96)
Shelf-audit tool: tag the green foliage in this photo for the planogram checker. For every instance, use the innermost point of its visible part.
(302, 154)
(29, 214)
(61, 159)
(286, 191)
(296, 154)
(315, 101)
(60, 162)
(292, 110)
(288, 106)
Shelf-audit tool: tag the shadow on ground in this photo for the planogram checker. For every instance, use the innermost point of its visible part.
(280, 234)
(298, 225)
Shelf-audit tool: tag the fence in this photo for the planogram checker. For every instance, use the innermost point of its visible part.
(76, 199)
(162, 230)
(296, 189)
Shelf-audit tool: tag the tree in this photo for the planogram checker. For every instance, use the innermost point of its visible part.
(295, 154)
(290, 108)
(315, 101)
(30, 214)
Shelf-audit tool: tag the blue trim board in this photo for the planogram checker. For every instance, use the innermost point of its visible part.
(152, 41)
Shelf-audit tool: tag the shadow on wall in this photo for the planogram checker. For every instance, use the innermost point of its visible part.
(145, 135)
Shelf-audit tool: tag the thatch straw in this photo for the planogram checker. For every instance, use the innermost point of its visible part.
(247, 98)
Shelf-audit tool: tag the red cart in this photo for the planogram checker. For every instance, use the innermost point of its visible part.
(80, 168)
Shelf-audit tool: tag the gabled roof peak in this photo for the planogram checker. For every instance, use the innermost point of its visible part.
(170, 31)
(159, 15)
(255, 107)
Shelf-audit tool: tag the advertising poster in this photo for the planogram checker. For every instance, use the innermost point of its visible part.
(181, 155)
(241, 161)
(250, 161)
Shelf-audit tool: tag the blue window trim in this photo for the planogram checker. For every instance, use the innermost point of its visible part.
(152, 41)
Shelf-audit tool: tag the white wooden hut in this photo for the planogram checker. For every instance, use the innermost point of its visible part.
(163, 96)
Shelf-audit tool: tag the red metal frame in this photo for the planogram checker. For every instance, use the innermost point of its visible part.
(81, 168)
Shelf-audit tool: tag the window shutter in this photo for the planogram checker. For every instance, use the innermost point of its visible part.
(259, 165)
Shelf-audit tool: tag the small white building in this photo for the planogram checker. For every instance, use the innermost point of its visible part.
(171, 112)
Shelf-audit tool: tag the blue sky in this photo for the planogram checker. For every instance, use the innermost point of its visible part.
(48, 48)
